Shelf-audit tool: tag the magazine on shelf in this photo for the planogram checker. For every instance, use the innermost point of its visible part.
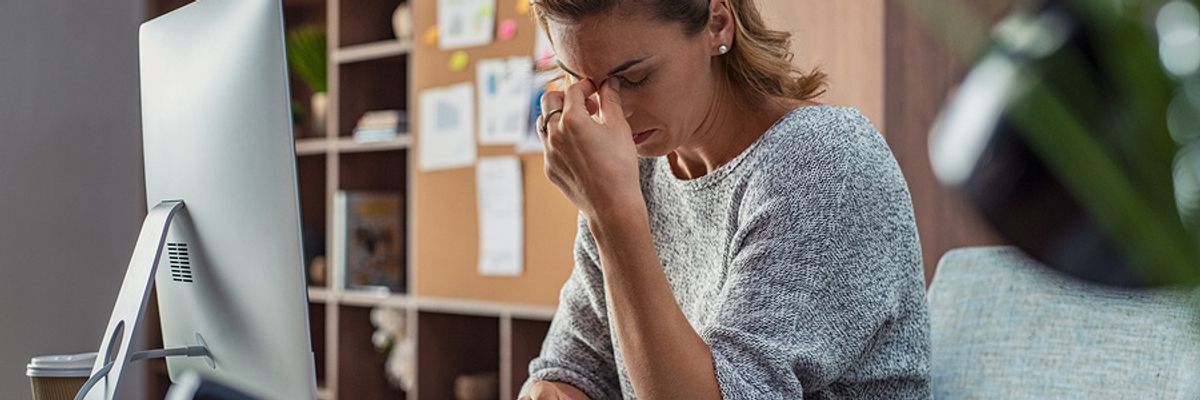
(369, 241)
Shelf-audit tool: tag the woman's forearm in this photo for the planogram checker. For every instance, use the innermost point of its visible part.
(663, 354)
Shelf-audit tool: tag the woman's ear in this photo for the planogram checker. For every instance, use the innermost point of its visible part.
(720, 27)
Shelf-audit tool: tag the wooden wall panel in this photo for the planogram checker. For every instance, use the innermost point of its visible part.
(920, 72)
(842, 38)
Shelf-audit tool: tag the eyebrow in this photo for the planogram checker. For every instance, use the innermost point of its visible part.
(619, 69)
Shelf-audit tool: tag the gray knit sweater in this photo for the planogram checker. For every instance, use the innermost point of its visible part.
(797, 263)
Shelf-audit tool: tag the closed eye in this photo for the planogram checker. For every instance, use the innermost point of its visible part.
(614, 73)
(632, 84)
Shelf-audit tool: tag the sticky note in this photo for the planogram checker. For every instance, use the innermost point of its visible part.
(431, 35)
(523, 7)
(507, 30)
(459, 61)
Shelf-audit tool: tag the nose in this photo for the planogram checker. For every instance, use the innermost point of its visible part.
(627, 105)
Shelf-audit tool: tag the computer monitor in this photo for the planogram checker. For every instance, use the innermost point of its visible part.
(224, 226)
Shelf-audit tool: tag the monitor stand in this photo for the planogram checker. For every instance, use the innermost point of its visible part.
(116, 344)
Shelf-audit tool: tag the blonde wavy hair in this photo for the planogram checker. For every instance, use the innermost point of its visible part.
(759, 63)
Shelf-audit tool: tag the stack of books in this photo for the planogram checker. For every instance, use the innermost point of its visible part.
(381, 125)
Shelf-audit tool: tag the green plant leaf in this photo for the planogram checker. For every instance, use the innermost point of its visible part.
(308, 56)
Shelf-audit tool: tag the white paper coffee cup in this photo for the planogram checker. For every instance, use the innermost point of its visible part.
(59, 377)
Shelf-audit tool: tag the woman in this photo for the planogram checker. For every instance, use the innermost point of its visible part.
(762, 247)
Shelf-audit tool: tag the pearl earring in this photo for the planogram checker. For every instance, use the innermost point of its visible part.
(723, 49)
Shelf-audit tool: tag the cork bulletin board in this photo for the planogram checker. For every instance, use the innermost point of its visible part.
(446, 226)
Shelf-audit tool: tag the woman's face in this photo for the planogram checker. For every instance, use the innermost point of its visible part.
(667, 78)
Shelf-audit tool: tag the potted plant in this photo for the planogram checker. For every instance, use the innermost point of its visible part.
(306, 47)
(1076, 136)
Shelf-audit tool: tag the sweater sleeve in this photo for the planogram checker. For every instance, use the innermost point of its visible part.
(578, 347)
(818, 280)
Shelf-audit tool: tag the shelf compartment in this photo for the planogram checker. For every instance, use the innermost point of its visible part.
(365, 21)
(381, 171)
(526, 343)
(453, 345)
(368, 86)
(360, 366)
(311, 177)
(385, 171)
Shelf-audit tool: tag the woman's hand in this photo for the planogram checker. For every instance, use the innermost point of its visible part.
(590, 154)
(547, 390)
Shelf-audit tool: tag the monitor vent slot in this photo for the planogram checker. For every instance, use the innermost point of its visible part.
(181, 262)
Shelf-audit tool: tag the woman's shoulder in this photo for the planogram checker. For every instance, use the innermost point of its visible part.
(823, 148)
(814, 135)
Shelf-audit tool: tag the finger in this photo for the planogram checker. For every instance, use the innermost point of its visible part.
(552, 100)
(575, 98)
(552, 123)
(592, 106)
(611, 108)
(538, 127)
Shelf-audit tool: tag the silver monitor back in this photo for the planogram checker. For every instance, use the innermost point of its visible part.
(217, 134)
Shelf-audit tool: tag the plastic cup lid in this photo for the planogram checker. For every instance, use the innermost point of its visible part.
(61, 366)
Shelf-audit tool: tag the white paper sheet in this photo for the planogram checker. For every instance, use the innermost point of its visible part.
(532, 143)
(465, 23)
(498, 188)
(446, 133)
(504, 88)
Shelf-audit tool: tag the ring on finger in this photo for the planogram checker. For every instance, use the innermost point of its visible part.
(546, 121)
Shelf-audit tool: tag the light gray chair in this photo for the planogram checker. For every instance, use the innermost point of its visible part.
(1003, 326)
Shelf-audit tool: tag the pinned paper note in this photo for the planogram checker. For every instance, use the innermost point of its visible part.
(498, 190)
(507, 30)
(531, 142)
(465, 23)
(459, 61)
(523, 7)
(431, 35)
(447, 122)
(504, 87)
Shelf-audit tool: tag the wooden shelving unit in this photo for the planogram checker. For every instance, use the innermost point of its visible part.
(369, 69)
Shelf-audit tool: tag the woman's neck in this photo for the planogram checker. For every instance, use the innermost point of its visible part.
(727, 130)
